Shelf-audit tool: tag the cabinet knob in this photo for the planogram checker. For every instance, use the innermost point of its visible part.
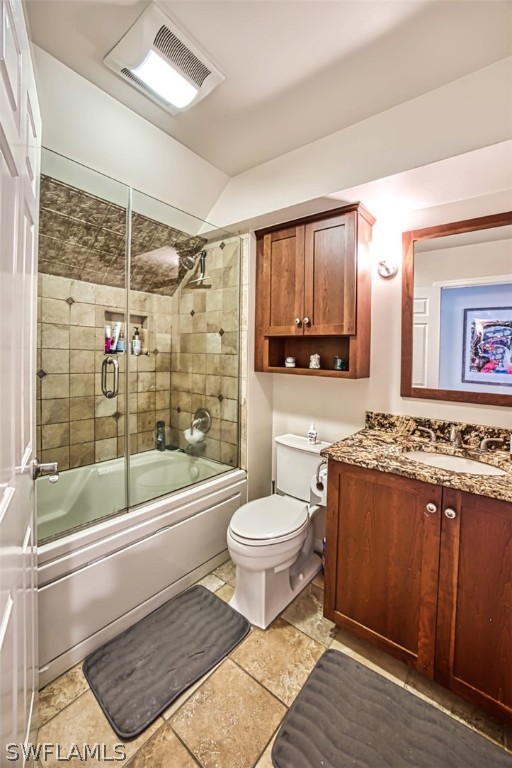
(450, 513)
(306, 321)
(298, 321)
(431, 508)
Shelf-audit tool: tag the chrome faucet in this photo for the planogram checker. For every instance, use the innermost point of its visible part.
(196, 423)
(430, 432)
(456, 437)
(488, 441)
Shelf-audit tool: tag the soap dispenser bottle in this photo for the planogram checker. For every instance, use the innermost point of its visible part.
(312, 434)
(136, 342)
(160, 435)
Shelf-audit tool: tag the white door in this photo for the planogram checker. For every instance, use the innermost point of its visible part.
(20, 130)
(425, 337)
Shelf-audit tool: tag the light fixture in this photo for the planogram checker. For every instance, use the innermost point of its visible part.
(386, 269)
(165, 81)
(163, 62)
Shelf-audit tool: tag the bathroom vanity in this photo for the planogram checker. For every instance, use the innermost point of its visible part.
(419, 558)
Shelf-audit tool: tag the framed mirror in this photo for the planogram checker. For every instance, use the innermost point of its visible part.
(457, 311)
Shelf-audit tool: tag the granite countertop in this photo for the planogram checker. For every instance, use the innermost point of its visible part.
(382, 449)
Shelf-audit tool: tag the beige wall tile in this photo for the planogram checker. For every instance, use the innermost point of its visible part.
(54, 411)
(81, 408)
(229, 343)
(55, 435)
(163, 362)
(81, 431)
(146, 401)
(55, 311)
(81, 384)
(145, 441)
(229, 387)
(55, 385)
(105, 449)
(54, 336)
(82, 314)
(162, 399)
(146, 363)
(104, 406)
(229, 410)
(81, 455)
(214, 301)
(105, 427)
(229, 431)
(229, 454)
(213, 342)
(81, 361)
(146, 422)
(198, 383)
(83, 338)
(55, 360)
(55, 287)
(60, 455)
(82, 291)
(146, 382)
(163, 323)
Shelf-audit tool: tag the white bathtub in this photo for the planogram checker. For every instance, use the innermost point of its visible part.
(100, 579)
(90, 493)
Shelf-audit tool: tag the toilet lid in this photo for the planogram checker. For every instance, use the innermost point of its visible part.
(274, 517)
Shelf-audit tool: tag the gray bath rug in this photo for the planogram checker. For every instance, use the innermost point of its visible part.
(347, 716)
(139, 673)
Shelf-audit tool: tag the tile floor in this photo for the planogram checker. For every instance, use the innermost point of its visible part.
(229, 718)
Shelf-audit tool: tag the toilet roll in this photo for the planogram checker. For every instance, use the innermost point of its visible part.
(319, 497)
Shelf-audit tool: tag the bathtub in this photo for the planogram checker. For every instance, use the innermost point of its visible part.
(89, 493)
(104, 576)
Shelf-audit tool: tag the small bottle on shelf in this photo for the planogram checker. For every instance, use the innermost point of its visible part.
(136, 342)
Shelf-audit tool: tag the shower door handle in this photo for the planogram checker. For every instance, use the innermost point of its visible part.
(115, 385)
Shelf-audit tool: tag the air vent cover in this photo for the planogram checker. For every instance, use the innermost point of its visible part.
(155, 31)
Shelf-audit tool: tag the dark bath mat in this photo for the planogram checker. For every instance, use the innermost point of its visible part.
(139, 673)
(347, 716)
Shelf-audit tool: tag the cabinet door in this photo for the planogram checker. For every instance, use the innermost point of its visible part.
(474, 636)
(283, 282)
(382, 560)
(330, 276)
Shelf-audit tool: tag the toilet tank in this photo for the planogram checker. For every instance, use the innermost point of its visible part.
(297, 462)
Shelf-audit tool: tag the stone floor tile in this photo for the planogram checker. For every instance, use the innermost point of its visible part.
(55, 696)
(83, 722)
(265, 760)
(226, 572)
(306, 613)
(226, 592)
(280, 658)
(319, 581)
(211, 582)
(370, 657)
(164, 750)
(229, 720)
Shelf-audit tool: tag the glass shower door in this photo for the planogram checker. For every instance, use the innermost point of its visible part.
(184, 372)
(80, 379)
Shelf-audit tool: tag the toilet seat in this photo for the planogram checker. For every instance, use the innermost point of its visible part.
(271, 520)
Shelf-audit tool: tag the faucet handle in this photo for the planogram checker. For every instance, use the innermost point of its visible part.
(430, 432)
(488, 441)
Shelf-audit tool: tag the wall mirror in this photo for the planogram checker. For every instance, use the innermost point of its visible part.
(457, 311)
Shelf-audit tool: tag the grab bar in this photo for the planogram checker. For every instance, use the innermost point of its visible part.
(115, 389)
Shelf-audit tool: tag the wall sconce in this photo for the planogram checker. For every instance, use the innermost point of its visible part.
(386, 269)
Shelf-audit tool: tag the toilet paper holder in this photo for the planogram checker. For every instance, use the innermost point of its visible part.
(319, 482)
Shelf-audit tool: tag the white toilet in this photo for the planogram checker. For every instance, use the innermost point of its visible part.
(270, 540)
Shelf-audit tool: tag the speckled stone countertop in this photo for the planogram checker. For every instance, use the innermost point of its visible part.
(381, 444)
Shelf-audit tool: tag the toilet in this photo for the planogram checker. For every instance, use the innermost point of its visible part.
(270, 540)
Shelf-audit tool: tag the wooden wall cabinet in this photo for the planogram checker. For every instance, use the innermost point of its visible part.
(424, 572)
(313, 292)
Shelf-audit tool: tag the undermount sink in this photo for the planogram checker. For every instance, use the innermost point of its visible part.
(454, 463)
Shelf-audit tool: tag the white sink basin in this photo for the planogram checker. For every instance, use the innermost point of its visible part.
(453, 463)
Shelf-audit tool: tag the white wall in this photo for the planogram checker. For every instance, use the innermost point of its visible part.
(82, 122)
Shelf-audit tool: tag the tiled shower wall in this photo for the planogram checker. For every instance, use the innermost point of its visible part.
(76, 424)
(205, 347)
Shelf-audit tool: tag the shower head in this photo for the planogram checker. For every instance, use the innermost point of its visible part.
(188, 261)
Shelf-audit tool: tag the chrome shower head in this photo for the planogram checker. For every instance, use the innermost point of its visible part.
(188, 261)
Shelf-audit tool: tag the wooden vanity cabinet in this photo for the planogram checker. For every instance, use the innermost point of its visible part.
(430, 588)
(313, 285)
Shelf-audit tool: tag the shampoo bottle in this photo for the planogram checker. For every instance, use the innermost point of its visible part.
(136, 342)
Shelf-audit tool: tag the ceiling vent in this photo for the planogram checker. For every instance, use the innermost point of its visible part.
(160, 60)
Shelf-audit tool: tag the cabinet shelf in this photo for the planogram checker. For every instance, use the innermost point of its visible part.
(309, 371)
